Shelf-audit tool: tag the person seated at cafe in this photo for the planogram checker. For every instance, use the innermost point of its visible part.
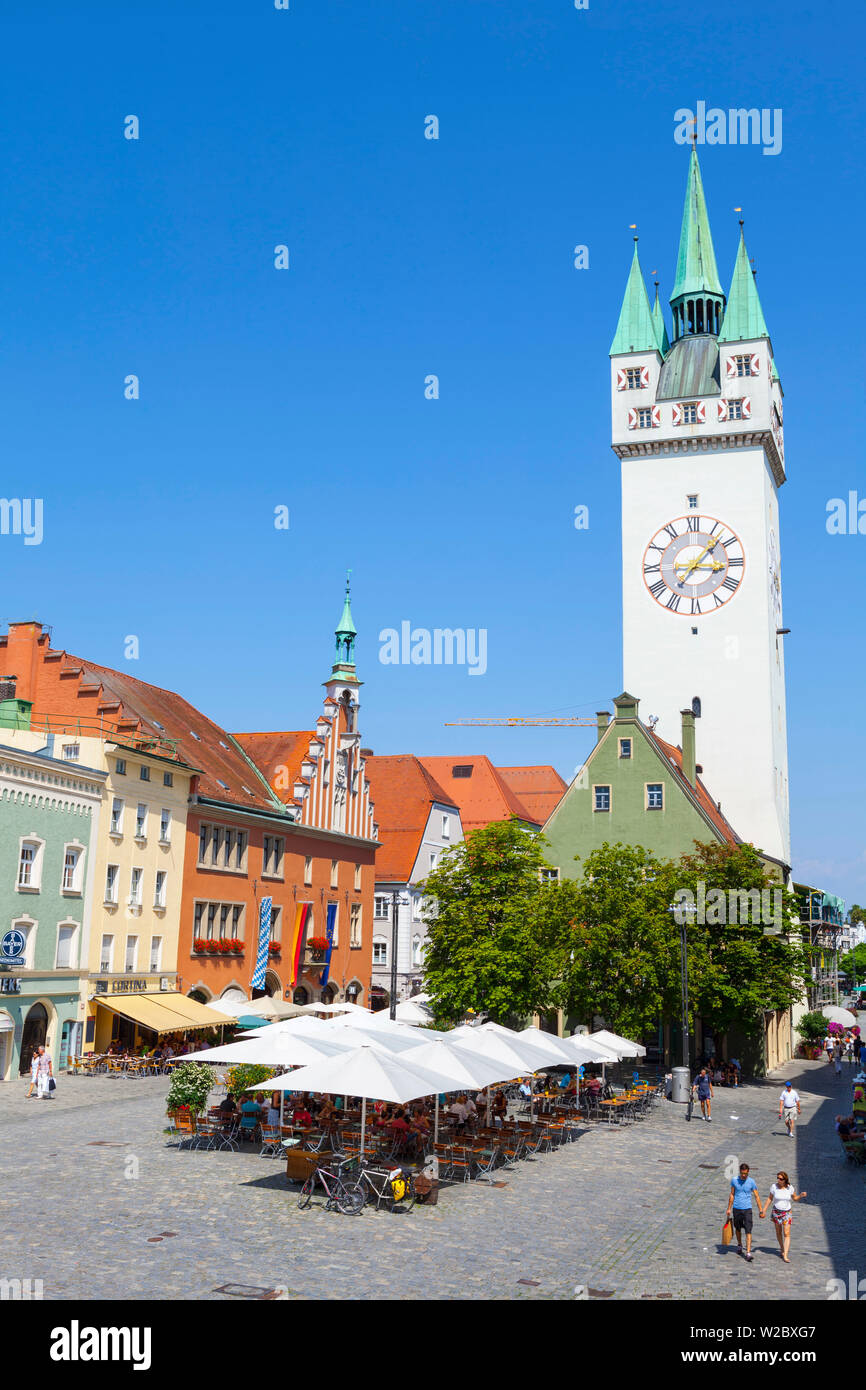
(593, 1086)
(300, 1113)
(500, 1107)
(464, 1111)
(420, 1121)
(327, 1116)
(525, 1088)
(251, 1114)
(227, 1105)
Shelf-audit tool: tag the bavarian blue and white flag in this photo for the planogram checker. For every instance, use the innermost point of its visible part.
(258, 980)
(332, 918)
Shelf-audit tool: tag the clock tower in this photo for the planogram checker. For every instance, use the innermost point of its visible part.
(697, 425)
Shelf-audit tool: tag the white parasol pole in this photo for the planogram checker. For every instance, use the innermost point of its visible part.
(436, 1122)
(363, 1122)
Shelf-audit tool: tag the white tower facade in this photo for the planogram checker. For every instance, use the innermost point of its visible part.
(697, 425)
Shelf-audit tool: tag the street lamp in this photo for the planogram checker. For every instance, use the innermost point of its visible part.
(682, 912)
(395, 903)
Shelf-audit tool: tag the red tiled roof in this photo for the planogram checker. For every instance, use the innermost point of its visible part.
(402, 790)
(539, 788)
(200, 742)
(279, 755)
(705, 801)
(483, 797)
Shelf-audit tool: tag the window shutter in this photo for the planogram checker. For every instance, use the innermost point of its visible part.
(632, 419)
(730, 366)
(620, 379)
(657, 415)
(701, 412)
(747, 407)
(678, 415)
(644, 376)
(723, 410)
(755, 364)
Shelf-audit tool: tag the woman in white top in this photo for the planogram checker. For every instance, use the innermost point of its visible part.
(34, 1072)
(781, 1196)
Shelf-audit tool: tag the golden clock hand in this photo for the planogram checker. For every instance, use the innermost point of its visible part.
(706, 550)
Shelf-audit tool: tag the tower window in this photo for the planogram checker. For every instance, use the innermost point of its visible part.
(743, 365)
(696, 706)
(644, 418)
(690, 413)
(735, 409)
(693, 500)
(632, 378)
(694, 632)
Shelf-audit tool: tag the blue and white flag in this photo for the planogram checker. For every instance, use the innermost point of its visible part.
(258, 980)
(331, 919)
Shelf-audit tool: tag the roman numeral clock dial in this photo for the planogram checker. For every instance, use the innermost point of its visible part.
(694, 565)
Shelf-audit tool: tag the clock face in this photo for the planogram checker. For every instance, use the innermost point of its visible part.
(775, 582)
(694, 565)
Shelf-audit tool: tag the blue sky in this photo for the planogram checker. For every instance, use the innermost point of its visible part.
(408, 257)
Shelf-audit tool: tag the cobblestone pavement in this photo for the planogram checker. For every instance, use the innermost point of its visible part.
(89, 1182)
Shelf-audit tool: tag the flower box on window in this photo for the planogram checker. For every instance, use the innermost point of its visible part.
(237, 946)
(212, 948)
(199, 944)
(274, 948)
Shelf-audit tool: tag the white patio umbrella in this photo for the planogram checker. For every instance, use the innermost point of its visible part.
(834, 1014)
(344, 1008)
(393, 1041)
(274, 1050)
(622, 1046)
(370, 1072)
(548, 1042)
(472, 1069)
(410, 1011)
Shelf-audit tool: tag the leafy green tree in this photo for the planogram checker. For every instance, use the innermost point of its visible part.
(812, 1027)
(245, 1074)
(854, 963)
(742, 969)
(485, 950)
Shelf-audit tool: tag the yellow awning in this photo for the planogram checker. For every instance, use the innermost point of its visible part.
(166, 1012)
(144, 1010)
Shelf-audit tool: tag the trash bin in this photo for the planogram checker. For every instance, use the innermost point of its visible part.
(681, 1084)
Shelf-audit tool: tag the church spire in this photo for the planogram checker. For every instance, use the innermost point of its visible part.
(659, 325)
(636, 331)
(345, 634)
(744, 317)
(697, 300)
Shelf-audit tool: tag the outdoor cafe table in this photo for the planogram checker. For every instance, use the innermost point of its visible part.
(613, 1105)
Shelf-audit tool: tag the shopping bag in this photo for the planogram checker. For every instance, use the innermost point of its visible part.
(727, 1232)
(52, 1084)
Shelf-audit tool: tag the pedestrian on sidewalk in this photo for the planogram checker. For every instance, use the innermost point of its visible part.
(781, 1196)
(43, 1074)
(740, 1201)
(789, 1105)
(34, 1073)
(837, 1058)
(705, 1092)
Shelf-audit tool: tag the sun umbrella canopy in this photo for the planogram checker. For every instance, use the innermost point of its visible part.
(274, 1050)
(520, 1055)
(471, 1070)
(583, 1049)
(410, 1011)
(622, 1046)
(346, 1034)
(367, 1071)
(559, 1053)
(837, 1015)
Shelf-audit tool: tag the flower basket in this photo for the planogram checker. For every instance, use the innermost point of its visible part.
(274, 948)
(226, 946)
(212, 947)
(199, 944)
(237, 946)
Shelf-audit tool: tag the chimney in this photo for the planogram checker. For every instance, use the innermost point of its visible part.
(22, 655)
(688, 744)
(602, 718)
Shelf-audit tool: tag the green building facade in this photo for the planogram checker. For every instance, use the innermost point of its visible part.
(49, 813)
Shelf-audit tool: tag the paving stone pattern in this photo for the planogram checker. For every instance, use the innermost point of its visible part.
(98, 1204)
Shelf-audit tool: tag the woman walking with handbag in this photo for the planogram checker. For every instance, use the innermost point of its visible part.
(44, 1075)
(34, 1074)
(781, 1196)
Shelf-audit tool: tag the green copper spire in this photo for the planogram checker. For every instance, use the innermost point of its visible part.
(697, 300)
(636, 331)
(659, 324)
(346, 633)
(744, 317)
(696, 263)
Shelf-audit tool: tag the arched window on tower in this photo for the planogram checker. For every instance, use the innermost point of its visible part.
(700, 318)
(690, 308)
(696, 706)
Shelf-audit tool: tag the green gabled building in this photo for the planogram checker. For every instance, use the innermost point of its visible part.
(636, 789)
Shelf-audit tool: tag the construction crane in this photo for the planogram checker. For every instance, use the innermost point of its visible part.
(521, 721)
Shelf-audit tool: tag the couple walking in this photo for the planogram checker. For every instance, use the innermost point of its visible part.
(780, 1198)
(41, 1075)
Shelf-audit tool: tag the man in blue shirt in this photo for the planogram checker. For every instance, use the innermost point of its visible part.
(740, 1200)
(705, 1091)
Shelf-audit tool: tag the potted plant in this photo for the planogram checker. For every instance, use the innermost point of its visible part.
(274, 948)
(199, 945)
(318, 945)
(225, 946)
(191, 1084)
(212, 947)
(237, 946)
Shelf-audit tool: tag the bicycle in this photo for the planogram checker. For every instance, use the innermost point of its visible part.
(393, 1188)
(348, 1198)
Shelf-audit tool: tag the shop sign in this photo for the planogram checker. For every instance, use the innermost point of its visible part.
(128, 986)
(10, 984)
(12, 946)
